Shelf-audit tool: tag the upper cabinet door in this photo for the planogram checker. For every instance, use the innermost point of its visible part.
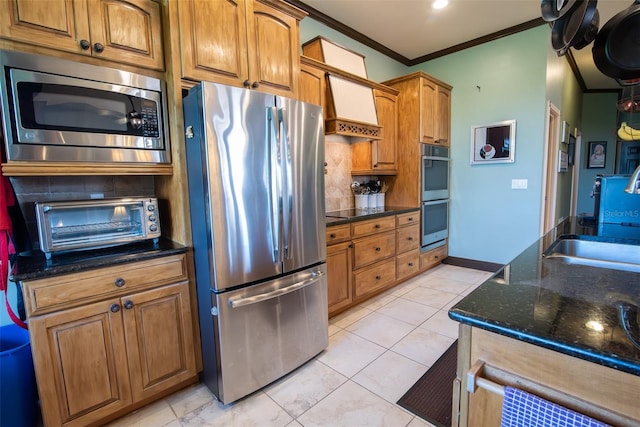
(245, 43)
(56, 24)
(274, 59)
(385, 149)
(427, 111)
(443, 116)
(312, 85)
(214, 41)
(129, 32)
(124, 31)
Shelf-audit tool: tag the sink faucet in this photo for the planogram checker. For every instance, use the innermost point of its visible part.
(632, 185)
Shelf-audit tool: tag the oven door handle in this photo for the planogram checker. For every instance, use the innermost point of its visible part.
(235, 303)
(442, 159)
(435, 202)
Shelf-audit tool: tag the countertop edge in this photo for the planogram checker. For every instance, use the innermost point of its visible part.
(575, 351)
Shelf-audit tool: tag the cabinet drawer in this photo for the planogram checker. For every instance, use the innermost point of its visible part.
(364, 228)
(408, 219)
(433, 257)
(408, 264)
(338, 233)
(69, 290)
(408, 238)
(371, 249)
(375, 277)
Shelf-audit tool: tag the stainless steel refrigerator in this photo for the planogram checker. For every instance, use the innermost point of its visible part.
(255, 166)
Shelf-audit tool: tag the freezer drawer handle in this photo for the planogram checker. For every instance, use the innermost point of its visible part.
(262, 297)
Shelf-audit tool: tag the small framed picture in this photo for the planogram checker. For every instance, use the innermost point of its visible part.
(493, 143)
(566, 132)
(597, 157)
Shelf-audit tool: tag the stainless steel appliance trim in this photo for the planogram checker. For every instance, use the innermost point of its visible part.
(285, 143)
(276, 185)
(100, 148)
(315, 276)
(93, 241)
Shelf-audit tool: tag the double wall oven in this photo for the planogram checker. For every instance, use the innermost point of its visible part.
(435, 196)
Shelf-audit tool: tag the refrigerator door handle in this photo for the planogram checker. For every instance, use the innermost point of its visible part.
(235, 303)
(275, 179)
(285, 143)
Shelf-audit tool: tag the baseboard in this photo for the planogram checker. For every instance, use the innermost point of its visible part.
(472, 263)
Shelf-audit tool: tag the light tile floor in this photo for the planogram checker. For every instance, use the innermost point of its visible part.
(376, 352)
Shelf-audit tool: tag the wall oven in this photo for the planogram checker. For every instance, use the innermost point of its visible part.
(435, 196)
(60, 110)
(435, 223)
(435, 172)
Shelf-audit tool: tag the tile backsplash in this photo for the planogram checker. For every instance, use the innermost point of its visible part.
(29, 190)
(337, 183)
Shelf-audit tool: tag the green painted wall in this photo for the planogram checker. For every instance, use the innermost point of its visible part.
(599, 116)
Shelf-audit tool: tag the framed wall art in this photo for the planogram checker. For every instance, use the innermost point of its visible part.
(493, 143)
(597, 154)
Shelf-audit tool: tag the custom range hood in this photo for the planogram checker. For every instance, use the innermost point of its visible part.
(350, 108)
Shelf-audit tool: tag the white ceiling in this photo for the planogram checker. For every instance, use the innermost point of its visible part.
(412, 29)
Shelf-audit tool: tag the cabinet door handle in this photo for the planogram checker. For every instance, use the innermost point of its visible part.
(332, 235)
(410, 264)
(119, 282)
(377, 225)
(436, 257)
(98, 47)
(114, 308)
(246, 83)
(377, 249)
(84, 44)
(409, 238)
(255, 85)
(378, 277)
(410, 218)
(128, 304)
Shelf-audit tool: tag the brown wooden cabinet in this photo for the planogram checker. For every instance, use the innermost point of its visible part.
(313, 84)
(247, 43)
(407, 245)
(368, 256)
(339, 289)
(104, 340)
(435, 108)
(597, 391)
(378, 157)
(425, 105)
(433, 257)
(123, 31)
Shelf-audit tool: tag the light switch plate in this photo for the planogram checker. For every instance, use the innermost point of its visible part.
(519, 184)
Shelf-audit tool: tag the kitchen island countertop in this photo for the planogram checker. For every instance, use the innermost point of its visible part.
(561, 306)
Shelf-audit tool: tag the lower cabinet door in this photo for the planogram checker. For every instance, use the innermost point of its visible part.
(339, 293)
(159, 339)
(81, 363)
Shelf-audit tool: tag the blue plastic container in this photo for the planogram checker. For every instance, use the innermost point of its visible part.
(18, 395)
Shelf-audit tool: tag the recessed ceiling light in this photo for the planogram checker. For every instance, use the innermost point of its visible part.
(439, 4)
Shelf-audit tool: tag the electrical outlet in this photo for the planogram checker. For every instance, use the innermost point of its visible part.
(519, 184)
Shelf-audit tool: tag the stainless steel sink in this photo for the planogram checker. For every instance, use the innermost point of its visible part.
(595, 253)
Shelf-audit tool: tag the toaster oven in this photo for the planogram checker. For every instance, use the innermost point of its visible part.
(91, 224)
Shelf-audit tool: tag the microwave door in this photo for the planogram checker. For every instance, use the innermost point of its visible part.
(56, 110)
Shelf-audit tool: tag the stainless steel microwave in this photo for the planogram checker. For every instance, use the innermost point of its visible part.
(90, 224)
(59, 110)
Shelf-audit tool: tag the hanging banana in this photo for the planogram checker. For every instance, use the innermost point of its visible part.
(627, 133)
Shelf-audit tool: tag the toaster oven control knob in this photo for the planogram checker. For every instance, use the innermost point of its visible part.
(151, 208)
(152, 218)
(153, 228)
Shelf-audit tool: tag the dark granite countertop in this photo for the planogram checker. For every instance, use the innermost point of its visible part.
(549, 303)
(350, 215)
(34, 265)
